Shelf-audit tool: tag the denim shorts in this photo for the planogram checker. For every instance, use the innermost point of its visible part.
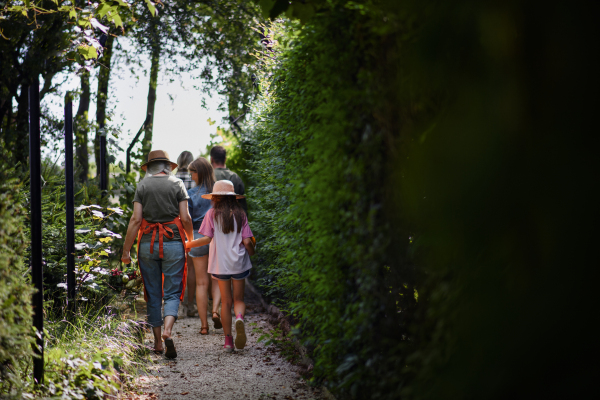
(235, 277)
(199, 251)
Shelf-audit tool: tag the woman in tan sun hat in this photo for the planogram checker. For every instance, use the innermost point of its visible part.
(225, 227)
(161, 221)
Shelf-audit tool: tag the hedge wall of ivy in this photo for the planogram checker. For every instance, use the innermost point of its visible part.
(320, 175)
(421, 193)
(16, 336)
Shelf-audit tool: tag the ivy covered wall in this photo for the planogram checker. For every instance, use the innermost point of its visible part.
(321, 175)
(421, 196)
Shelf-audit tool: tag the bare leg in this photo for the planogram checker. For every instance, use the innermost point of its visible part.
(169, 322)
(216, 296)
(158, 346)
(226, 299)
(238, 297)
(201, 265)
(191, 281)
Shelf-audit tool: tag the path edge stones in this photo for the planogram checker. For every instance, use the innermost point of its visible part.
(278, 318)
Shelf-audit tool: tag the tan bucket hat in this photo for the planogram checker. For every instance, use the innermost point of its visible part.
(158, 155)
(223, 188)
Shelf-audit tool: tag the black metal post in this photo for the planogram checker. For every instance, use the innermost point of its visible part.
(133, 142)
(70, 204)
(35, 169)
(103, 167)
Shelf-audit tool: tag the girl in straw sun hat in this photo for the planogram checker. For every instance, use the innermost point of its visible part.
(225, 227)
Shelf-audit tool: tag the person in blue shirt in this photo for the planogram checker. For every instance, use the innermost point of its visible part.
(204, 176)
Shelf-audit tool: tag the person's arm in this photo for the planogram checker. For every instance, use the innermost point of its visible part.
(132, 230)
(249, 245)
(186, 219)
(203, 241)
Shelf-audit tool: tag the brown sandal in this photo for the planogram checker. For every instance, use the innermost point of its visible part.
(204, 329)
(217, 320)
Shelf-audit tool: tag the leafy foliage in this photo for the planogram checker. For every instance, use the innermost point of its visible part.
(15, 291)
(319, 175)
(98, 235)
(468, 183)
(92, 355)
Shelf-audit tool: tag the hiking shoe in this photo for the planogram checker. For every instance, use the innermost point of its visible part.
(240, 333)
(190, 310)
(171, 352)
(228, 347)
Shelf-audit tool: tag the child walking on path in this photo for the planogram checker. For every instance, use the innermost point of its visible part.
(225, 227)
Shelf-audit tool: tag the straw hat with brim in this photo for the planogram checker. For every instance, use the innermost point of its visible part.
(158, 155)
(223, 188)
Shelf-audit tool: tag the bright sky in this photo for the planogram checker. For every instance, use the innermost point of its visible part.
(179, 125)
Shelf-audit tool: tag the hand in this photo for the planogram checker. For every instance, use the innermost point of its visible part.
(125, 258)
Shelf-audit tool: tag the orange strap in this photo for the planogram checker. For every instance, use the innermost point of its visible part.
(162, 231)
(146, 228)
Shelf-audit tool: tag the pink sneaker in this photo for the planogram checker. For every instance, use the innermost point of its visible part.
(228, 347)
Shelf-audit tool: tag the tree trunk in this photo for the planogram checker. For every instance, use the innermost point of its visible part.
(102, 97)
(81, 129)
(6, 112)
(20, 135)
(155, 59)
(5, 108)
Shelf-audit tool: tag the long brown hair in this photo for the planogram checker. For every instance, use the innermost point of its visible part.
(227, 209)
(205, 171)
(184, 160)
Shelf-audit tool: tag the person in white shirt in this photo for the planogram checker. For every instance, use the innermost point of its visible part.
(225, 227)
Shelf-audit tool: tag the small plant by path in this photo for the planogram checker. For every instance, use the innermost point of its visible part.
(283, 343)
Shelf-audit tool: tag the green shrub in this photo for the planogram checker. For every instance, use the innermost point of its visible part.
(15, 289)
(471, 274)
(320, 170)
(99, 231)
(92, 355)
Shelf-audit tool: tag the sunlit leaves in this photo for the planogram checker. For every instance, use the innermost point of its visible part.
(151, 7)
(89, 16)
(88, 52)
(302, 10)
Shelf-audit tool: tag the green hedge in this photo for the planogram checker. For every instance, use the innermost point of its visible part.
(319, 173)
(422, 196)
(15, 289)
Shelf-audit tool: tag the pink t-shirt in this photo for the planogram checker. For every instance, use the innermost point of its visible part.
(227, 254)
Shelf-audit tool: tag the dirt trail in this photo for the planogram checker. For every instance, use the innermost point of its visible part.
(203, 370)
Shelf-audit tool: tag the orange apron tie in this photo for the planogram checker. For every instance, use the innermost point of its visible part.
(163, 230)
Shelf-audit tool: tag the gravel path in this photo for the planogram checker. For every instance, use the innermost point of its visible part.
(203, 370)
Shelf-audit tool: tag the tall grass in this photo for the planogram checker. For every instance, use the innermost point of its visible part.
(92, 354)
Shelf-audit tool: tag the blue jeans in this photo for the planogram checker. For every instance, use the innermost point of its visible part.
(152, 267)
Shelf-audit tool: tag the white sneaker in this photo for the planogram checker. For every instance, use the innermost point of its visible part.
(191, 311)
(240, 333)
(182, 311)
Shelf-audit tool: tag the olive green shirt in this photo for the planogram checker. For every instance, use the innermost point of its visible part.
(159, 196)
